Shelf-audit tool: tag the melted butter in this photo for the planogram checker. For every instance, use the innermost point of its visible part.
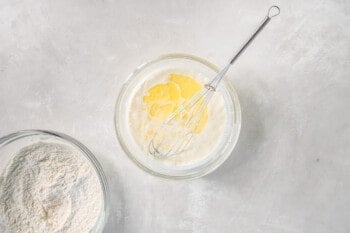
(164, 99)
(188, 86)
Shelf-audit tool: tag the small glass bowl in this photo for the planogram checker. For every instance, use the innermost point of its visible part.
(187, 64)
(12, 143)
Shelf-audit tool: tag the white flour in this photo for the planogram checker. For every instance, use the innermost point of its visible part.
(50, 187)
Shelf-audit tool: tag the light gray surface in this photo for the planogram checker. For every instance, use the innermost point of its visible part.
(62, 64)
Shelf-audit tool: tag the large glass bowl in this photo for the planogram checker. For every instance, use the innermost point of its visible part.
(12, 143)
(183, 63)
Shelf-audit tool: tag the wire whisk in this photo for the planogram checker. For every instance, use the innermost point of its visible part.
(175, 134)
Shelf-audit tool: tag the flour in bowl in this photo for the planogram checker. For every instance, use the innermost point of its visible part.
(50, 187)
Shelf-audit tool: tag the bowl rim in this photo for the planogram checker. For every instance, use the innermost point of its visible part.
(237, 115)
(11, 137)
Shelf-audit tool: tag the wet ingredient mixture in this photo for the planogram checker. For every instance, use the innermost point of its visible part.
(164, 99)
(162, 95)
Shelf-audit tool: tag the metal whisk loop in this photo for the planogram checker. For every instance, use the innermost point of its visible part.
(175, 134)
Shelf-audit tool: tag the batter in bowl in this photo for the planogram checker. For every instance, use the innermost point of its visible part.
(158, 97)
(154, 91)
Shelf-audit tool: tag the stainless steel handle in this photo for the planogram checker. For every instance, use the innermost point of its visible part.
(273, 11)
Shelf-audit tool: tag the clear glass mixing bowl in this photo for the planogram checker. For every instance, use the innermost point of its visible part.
(12, 143)
(183, 63)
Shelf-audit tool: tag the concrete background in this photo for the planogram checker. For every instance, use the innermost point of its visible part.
(62, 64)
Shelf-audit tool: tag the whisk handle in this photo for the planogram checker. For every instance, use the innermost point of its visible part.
(250, 40)
(273, 11)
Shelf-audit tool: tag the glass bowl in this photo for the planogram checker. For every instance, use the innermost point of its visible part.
(12, 143)
(186, 64)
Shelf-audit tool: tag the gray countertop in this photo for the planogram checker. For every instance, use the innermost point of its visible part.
(62, 65)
